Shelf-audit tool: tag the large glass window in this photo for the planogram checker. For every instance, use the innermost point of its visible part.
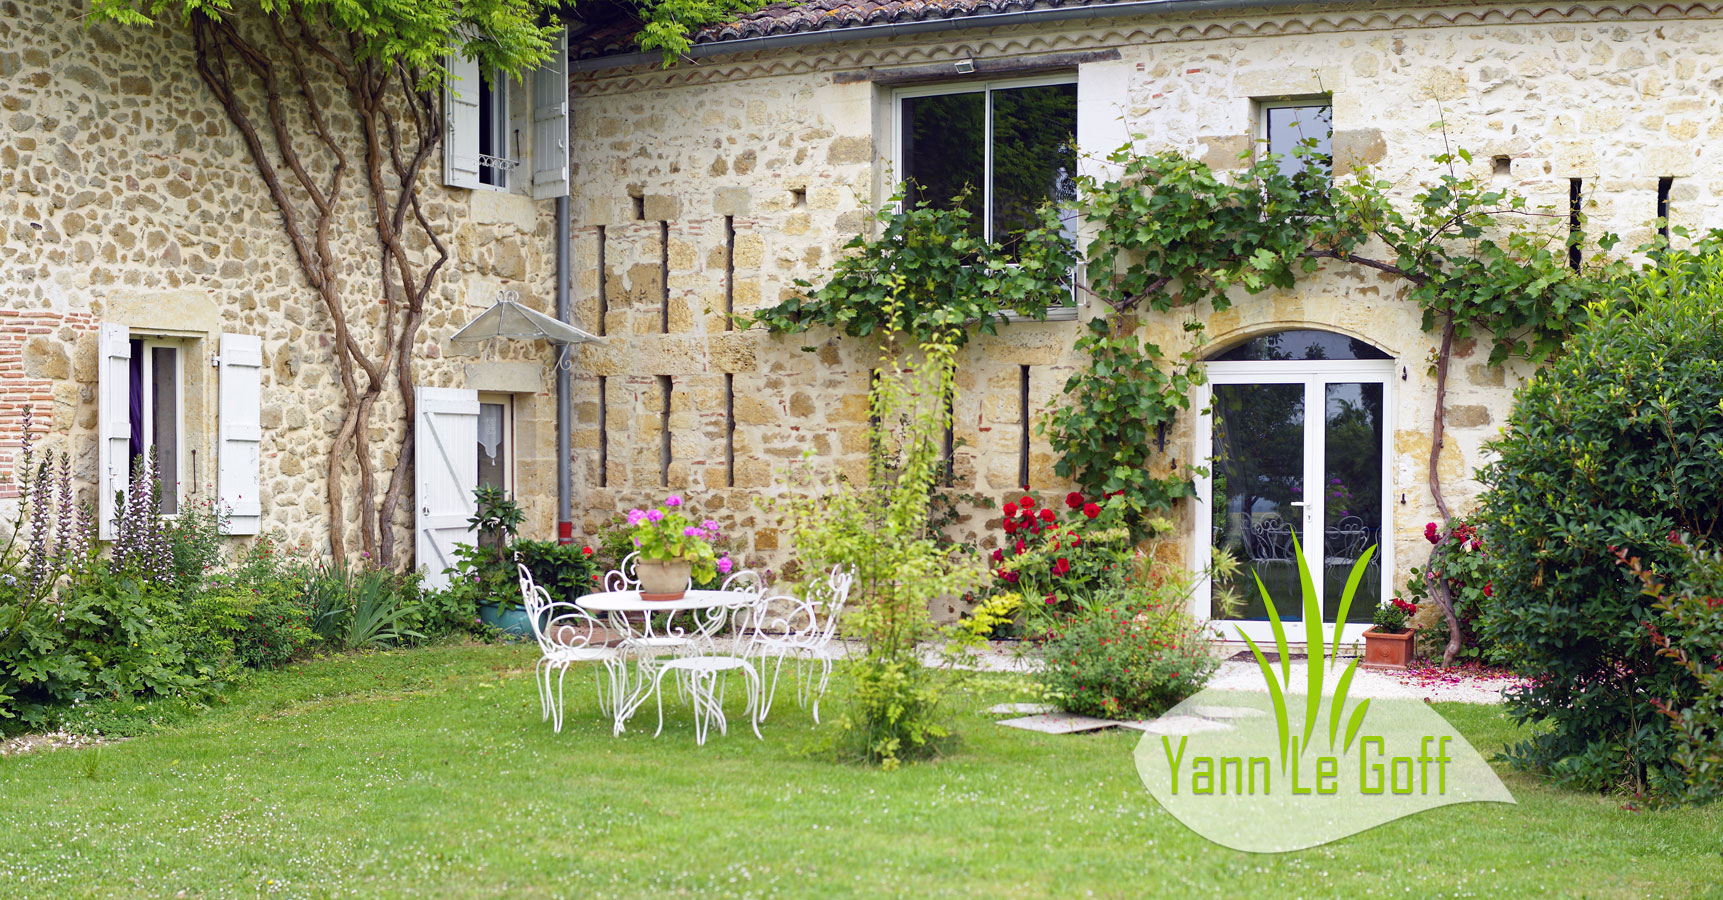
(999, 149)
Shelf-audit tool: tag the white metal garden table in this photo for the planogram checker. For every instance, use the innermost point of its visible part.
(646, 640)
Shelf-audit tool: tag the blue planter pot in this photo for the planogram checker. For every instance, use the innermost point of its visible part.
(513, 620)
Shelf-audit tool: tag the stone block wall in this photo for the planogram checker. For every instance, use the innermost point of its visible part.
(128, 197)
(794, 147)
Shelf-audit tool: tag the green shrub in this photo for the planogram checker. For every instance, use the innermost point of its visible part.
(107, 636)
(1132, 652)
(1617, 444)
(880, 528)
(360, 607)
(1688, 630)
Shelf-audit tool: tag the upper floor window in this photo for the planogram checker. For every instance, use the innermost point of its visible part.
(476, 140)
(1288, 125)
(1002, 149)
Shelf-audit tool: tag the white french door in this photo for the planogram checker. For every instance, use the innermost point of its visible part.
(1294, 450)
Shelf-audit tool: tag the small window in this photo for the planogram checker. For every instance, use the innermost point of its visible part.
(496, 442)
(1002, 149)
(494, 161)
(157, 413)
(1295, 130)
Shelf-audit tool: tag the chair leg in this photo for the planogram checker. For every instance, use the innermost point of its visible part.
(538, 679)
(657, 683)
(825, 677)
(559, 679)
(771, 693)
(754, 692)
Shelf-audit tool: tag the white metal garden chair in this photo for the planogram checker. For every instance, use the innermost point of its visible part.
(803, 634)
(566, 635)
(703, 674)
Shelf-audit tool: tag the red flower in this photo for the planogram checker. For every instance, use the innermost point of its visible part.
(1091, 510)
(586, 551)
(1052, 599)
(1027, 503)
(1489, 589)
(1432, 533)
(1112, 494)
(999, 555)
(1010, 527)
(1010, 577)
(1073, 500)
(1010, 510)
(1046, 515)
(1018, 547)
(1062, 566)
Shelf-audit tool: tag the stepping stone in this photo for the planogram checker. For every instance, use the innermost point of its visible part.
(1021, 709)
(1058, 723)
(1227, 712)
(1176, 725)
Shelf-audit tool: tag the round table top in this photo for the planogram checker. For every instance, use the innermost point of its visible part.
(630, 601)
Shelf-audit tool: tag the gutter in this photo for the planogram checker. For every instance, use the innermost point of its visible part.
(564, 485)
(935, 26)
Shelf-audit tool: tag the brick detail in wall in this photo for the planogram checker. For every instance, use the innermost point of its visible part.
(27, 377)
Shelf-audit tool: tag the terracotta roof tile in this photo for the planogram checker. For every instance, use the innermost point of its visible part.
(818, 15)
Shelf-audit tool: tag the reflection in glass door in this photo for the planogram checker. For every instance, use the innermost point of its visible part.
(1277, 472)
(1258, 473)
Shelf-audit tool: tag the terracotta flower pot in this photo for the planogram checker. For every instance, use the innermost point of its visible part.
(662, 582)
(1387, 651)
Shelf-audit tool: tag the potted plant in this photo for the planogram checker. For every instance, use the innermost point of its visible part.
(1388, 644)
(672, 550)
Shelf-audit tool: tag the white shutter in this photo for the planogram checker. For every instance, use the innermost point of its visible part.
(1103, 91)
(114, 423)
(446, 466)
(461, 120)
(241, 429)
(550, 123)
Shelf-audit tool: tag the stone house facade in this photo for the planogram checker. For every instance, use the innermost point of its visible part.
(715, 184)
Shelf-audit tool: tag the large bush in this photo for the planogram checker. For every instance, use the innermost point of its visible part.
(1130, 652)
(1617, 444)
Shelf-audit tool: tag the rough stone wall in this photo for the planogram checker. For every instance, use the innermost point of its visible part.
(127, 196)
(1618, 99)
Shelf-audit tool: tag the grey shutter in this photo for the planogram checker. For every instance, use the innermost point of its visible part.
(461, 113)
(550, 122)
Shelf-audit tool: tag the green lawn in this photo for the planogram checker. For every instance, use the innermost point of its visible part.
(428, 774)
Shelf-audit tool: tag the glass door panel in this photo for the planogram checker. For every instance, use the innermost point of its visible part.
(1351, 495)
(1257, 468)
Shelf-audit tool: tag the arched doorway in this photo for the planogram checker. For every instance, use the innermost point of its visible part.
(1295, 440)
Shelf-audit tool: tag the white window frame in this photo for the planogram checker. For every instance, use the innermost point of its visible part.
(1306, 101)
(181, 349)
(1063, 312)
(1314, 375)
(506, 450)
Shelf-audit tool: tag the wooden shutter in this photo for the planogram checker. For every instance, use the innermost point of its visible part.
(446, 463)
(461, 111)
(550, 124)
(241, 429)
(114, 423)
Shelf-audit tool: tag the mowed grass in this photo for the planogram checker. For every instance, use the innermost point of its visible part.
(428, 774)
